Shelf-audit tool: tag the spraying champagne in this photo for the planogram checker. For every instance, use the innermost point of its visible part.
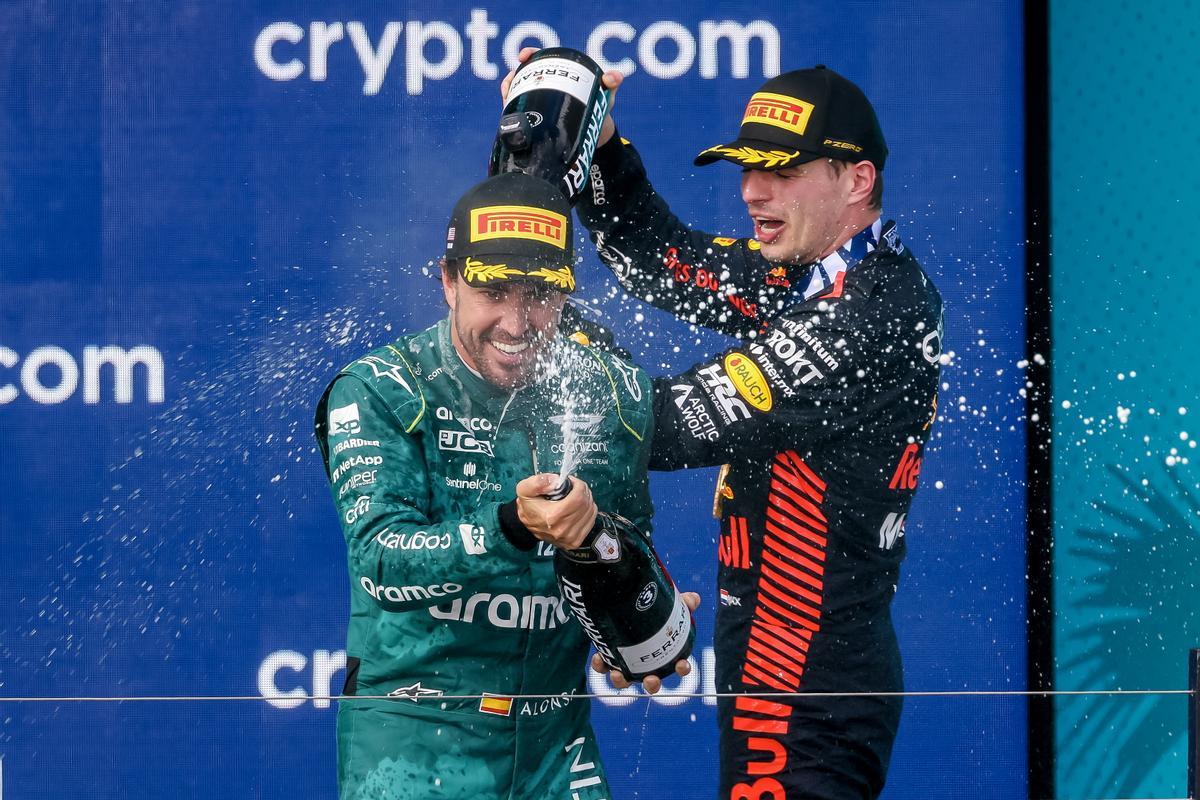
(622, 596)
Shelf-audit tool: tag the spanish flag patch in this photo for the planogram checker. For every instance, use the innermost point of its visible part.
(495, 704)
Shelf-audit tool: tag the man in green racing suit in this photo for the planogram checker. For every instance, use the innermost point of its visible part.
(454, 607)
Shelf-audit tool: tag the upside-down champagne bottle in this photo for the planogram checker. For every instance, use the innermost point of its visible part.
(622, 596)
(551, 121)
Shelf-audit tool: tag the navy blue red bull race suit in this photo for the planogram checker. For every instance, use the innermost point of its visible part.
(820, 413)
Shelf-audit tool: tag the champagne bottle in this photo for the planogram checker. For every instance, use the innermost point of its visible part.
(624, 599)
(551, 121)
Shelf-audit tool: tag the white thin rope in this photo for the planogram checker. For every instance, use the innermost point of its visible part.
(439, 698)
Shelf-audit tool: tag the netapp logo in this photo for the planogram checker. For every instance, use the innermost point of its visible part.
(282, 54)
(50, 375)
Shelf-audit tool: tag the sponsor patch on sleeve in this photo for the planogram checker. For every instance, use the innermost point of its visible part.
(749, 381)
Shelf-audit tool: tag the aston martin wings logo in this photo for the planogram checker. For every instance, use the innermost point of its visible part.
(414, 692)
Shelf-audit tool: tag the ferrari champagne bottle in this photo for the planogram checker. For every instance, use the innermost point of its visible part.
(551, 121)
(620, 593)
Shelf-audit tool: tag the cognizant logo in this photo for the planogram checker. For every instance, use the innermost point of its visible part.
(665, 49)
(50, 375)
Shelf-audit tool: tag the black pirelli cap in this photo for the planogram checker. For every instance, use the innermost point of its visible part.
(800, 116)
(513, 227)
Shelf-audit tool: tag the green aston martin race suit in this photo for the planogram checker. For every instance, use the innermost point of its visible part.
(421, 454)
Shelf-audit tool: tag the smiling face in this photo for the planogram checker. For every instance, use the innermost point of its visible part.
(804, 213)
(500, 330)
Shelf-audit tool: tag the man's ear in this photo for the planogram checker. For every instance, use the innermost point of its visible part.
(864, 182)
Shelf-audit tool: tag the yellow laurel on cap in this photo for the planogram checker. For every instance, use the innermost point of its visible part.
(563, 278)
(477, 271)
(750, 157)
(579, 337)
(724, 241)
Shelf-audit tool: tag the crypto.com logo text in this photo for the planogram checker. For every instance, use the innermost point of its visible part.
(284, 50)
(50, 375)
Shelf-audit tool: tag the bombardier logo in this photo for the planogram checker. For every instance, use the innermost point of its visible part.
(779, 110)
(354, 444)
(519, 222)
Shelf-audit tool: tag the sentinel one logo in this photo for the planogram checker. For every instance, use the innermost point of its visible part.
(50, 375)
(285, 50)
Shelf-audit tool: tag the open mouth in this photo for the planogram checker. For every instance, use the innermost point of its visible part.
(767, 229)
(511, 349)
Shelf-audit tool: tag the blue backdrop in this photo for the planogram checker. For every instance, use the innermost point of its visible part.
(206, 207)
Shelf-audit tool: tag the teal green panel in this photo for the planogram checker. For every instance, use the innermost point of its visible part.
(1125, 133)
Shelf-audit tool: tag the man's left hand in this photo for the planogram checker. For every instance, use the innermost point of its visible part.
(651, 683)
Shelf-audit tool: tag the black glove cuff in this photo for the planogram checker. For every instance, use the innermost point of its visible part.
(513, 529)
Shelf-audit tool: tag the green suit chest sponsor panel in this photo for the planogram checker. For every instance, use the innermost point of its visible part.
(421, 452)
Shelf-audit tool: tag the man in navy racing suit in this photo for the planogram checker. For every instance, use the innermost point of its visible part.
(819, 415)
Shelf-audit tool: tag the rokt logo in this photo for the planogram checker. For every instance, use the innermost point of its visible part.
(49, 375)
